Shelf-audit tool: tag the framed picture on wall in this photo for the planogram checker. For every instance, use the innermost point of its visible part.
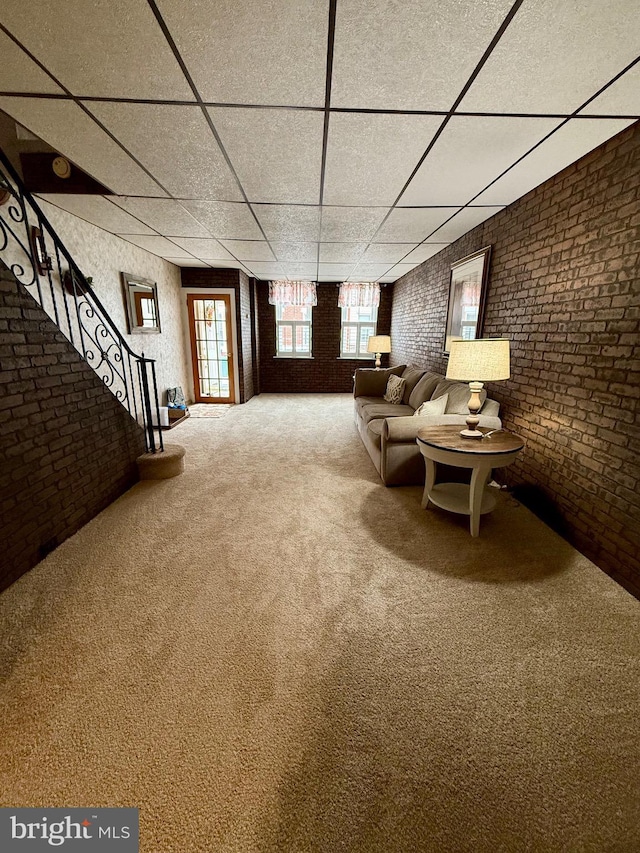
(467, 290)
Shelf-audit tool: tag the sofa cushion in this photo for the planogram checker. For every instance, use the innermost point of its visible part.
(372, 383)
(411, 376)
(385, 410)
(459, 394)
(395, 390)
(437, 406)
(424, 389)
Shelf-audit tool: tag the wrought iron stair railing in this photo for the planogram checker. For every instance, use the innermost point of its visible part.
(36, 256)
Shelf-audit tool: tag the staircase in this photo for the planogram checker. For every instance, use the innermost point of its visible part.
(34, 253)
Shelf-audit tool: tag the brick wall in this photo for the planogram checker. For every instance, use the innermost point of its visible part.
(238, 280)
(68, 447)
(564, 288)
(326, 371)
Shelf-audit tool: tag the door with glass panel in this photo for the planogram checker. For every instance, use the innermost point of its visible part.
(211, 348)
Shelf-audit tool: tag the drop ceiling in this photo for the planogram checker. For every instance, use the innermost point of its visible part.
(319, 139)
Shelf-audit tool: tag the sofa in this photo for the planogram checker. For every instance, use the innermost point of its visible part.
(389, 430)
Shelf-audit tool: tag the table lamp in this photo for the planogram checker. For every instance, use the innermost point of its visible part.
(477, 362)
(379, 344)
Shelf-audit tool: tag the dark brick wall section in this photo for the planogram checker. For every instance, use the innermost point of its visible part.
(68, 447)
(564, 288)
(326, 371)
(246, 338)
(238, 280)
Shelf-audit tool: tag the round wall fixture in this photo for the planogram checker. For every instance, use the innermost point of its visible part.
(5, 195)
(61, 167)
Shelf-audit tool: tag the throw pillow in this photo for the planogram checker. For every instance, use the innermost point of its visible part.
(433, 407)
(395, 390)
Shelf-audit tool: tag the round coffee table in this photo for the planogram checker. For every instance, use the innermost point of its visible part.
(445, 444)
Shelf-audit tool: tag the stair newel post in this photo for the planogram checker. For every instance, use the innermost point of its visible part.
(146, 404)
(157, 404)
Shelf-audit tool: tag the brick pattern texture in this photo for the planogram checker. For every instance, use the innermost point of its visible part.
(564, 287)
(326, 371)
(238, 281)
(68, 447)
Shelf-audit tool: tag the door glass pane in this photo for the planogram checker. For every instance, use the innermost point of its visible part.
(210, 329)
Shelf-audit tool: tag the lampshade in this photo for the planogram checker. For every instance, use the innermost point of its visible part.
(379, 343)
(482, 360)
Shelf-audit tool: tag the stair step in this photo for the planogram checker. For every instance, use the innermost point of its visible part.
(163, 465)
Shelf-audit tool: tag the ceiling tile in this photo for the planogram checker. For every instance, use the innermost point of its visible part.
(462, 222)
(469, 154)
(340, 271)
(175, 144)
(158, 246)
(250, 51)
(203, 248)
(621, 98)
(289, 222)
(553, 56)
(99, 211)
(568, 144)
(217, 263)
(423, 252)
(276, 153)
(249, 250)
(416, 54)
(68, 129)
(18, 73)
(369, 272)
(408, 224)
(387, 253)
(225, 219)
(349, 224)
(265, 270)
(187, 262)
(341, 253)
(370, 157)
(401, 269)
(300, 272)
(165, 215)
(113, 49)
(296, 251)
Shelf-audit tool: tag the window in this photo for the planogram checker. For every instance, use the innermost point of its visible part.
(293, 331)
(358, 324)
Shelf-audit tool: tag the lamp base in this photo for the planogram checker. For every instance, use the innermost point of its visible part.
(378, 354)
(470, 433)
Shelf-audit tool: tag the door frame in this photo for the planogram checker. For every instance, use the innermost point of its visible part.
(212, 292)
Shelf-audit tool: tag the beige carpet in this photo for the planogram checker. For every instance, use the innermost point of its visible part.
(273, 652)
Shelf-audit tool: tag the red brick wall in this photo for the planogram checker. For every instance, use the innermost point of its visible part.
(68, 447)
(238, 280)
(326, 371)
(564, 288)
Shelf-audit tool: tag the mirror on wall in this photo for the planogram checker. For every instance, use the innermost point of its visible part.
(141, 304)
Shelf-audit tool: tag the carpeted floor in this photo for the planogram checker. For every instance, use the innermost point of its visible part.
(273, 652)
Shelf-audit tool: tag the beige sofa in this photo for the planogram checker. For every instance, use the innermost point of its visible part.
(389, 430)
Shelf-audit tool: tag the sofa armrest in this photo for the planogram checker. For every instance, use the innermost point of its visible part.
(373, 383)
(405, 429)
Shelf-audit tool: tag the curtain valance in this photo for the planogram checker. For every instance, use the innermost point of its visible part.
(359, 294)
(292, 293)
